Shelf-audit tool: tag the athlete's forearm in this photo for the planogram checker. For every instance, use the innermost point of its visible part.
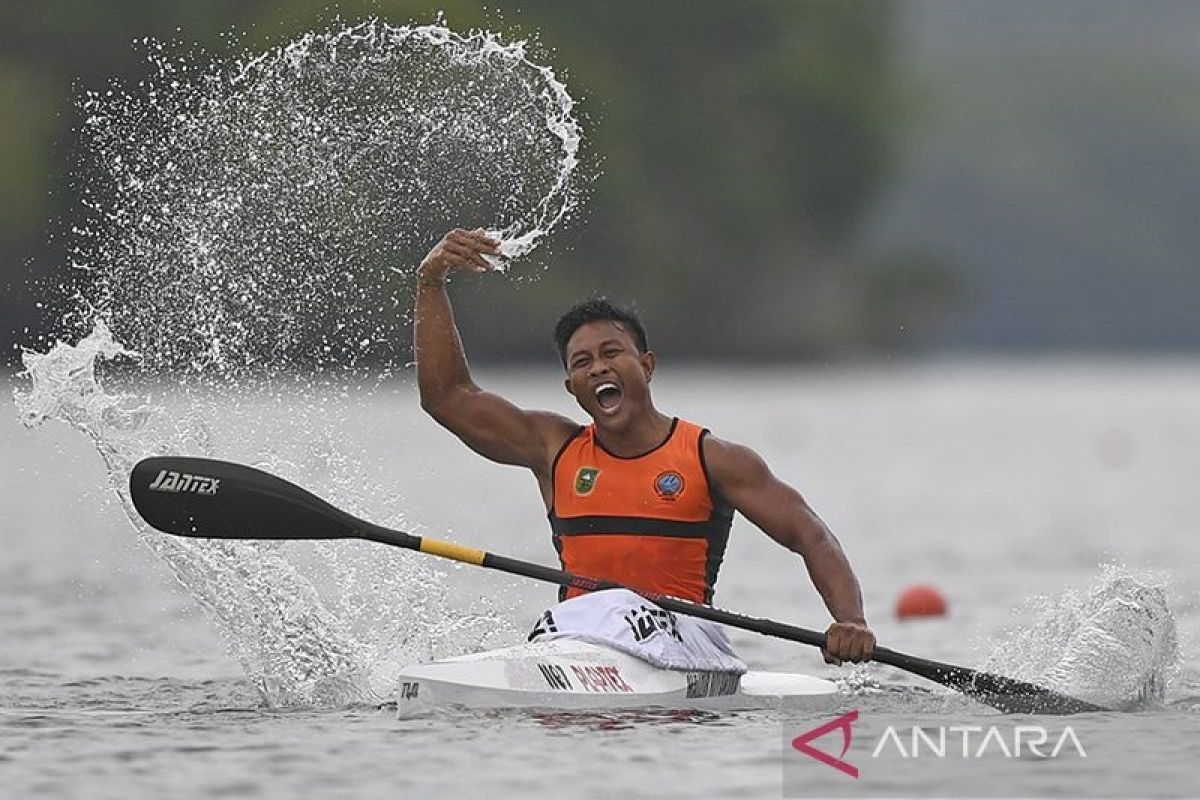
(437, 347)
(832, 574)
(839, 589)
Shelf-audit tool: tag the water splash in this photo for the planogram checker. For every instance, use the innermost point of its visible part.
(325, 623)
(246, 216)
(65, 388)
(1113, 644)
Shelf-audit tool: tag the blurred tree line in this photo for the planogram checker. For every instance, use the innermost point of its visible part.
(735, 150)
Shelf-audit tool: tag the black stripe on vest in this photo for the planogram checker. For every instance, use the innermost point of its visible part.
(635, 526)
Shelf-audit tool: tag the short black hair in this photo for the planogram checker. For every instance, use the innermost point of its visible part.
(596, 309)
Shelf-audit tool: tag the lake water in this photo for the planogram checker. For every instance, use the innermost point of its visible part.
(998, 482)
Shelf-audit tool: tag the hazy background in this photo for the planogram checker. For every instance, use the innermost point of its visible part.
(769, 179)
(838, 183)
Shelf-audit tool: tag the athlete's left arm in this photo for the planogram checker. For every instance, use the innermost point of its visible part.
(745, 480)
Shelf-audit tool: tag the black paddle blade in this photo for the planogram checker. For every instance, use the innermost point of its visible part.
(218, 500)
(1018, 697)
(1006, 694)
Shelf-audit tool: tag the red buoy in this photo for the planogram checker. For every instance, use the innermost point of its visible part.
(921, 600)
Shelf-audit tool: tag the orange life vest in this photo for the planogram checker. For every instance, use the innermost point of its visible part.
(652, 522)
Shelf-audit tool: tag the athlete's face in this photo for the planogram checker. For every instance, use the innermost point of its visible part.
(606, 373)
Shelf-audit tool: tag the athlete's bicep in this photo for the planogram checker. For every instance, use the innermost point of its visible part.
(745, 480)
(502, 431)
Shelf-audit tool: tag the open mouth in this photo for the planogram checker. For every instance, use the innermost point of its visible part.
(608, 397)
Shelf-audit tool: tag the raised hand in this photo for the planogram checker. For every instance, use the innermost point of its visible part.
(459, 250)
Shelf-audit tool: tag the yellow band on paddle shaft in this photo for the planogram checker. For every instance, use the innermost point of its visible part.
(458, 552)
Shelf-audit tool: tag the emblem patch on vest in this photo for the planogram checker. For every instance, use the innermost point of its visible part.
(585, 480)
(668, 485)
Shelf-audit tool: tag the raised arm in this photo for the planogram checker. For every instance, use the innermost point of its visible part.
(485, 422)
(744, 479)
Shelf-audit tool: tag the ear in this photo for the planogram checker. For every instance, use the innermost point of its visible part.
(649, 361)
(567, 386)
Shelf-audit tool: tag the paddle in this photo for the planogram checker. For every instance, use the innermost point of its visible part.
(210, 499)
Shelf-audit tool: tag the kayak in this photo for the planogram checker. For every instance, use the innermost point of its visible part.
(573, 674)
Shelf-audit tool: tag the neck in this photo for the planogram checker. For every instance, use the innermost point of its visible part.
(639, 436)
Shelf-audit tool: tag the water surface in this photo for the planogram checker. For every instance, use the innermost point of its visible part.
(997, 482)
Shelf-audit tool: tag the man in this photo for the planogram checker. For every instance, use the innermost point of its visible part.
(636, 497)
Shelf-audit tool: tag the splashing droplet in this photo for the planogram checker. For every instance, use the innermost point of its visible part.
(246, 215)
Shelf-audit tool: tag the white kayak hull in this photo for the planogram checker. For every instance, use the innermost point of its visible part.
(569, 674)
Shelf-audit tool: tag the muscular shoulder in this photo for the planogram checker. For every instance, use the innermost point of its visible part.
(731, 465)
(554, 431)
(742, 476)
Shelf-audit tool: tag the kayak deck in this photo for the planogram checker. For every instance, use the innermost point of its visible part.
(573, 674)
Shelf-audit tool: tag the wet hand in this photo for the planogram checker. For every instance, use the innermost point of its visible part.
(848, 641)
(459, 250)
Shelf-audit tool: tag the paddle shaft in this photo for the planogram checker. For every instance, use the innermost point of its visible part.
(513, 566)
(205, 498)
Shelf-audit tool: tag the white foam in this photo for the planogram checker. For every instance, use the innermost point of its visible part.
(1113, 644)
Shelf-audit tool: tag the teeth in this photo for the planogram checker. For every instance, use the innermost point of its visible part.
(604, 386)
